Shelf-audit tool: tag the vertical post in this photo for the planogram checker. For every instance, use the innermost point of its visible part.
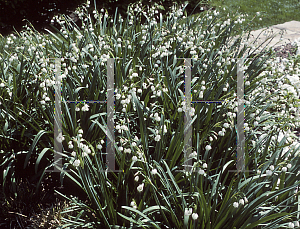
(298, 214)
(57, 118)
(240, 117)
(110, 149)
(187, 116)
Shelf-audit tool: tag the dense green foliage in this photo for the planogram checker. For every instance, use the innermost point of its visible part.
(149, 122)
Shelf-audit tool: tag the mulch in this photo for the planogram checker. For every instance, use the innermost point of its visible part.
(284, 50)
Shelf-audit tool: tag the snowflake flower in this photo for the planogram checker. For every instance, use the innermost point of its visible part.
(235, 204)
(60, 138)
(188, 212)
(140, 187)
(154, 171)
(241, 201)
(226, 125)
(157, 118)
(291, 225)
(133, 204)
(192, 111)
(208, 147)
(268, 172)
(284, 169)
(76, 163)
(193, 154)
(201, 172)
(157, 138)
(201, 95)
(127, 150)
(85, 107)
(195, 216)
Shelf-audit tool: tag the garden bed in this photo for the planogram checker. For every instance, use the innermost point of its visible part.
(151, 187)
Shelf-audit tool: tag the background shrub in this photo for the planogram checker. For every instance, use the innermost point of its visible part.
(38, 12)
(15, 13)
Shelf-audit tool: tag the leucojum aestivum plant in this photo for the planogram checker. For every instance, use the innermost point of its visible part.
(152, 192)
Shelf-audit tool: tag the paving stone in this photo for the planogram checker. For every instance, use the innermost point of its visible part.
(281, 34)
(291, 25)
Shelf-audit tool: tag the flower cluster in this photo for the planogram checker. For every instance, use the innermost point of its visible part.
(184, 108)
(202, 170)
(189, 211)
(86, 150)
(242, 202)
(85, 107)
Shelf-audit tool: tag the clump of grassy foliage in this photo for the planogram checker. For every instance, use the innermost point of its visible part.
(149, 121)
